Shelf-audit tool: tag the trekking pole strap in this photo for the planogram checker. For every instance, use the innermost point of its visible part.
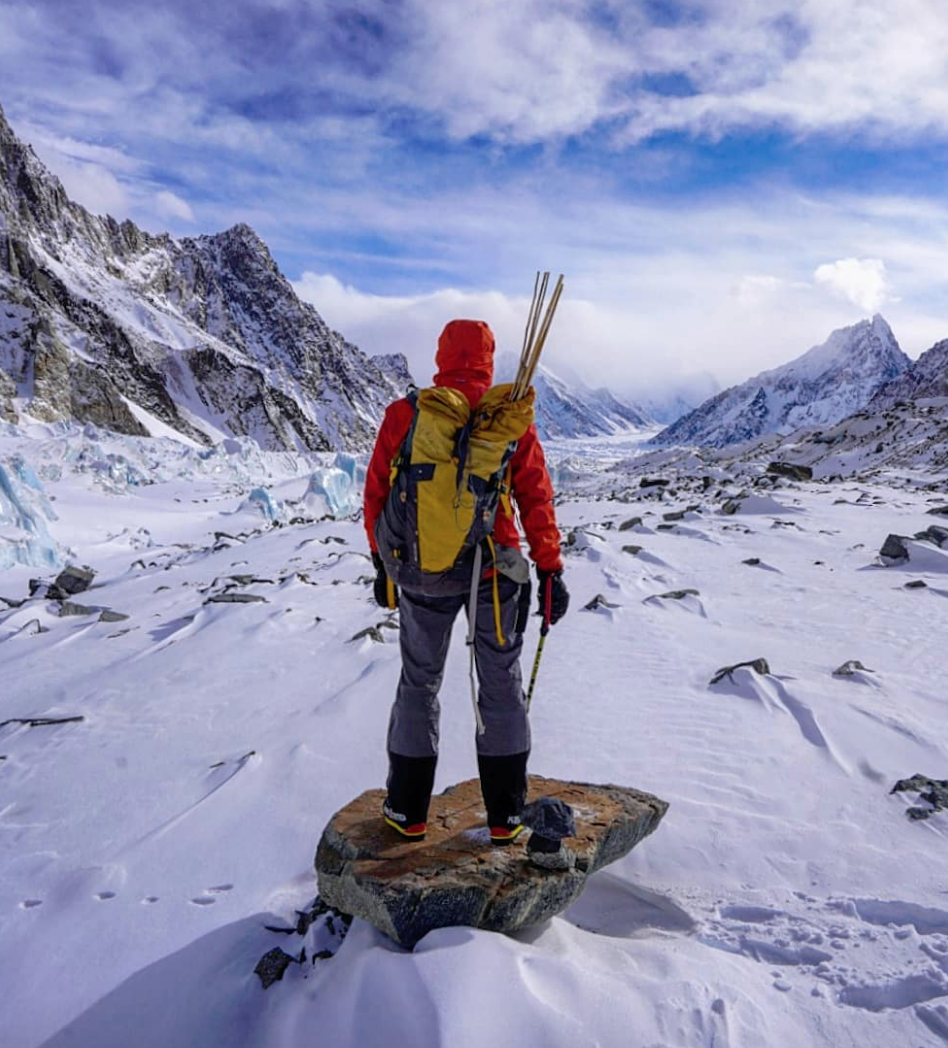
(471, 633)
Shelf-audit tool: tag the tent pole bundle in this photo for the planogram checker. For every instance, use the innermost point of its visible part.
(534, 335)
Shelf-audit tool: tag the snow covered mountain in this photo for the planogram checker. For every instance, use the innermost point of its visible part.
(826, 384)
(102, 322)
(571, 409)
(927, 377)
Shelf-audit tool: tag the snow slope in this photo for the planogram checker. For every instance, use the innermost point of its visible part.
(786, 900)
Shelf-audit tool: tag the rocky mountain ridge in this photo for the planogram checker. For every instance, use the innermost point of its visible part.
(103, 322)
(825, 385)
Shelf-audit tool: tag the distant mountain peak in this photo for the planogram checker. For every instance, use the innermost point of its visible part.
(572, 409)
(824, 385)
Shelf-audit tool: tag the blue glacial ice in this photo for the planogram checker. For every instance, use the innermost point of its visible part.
(335, 489)
(24, 512)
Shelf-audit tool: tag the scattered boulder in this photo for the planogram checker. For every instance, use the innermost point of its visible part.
(934, 534)
(372, 632)
(760, 666)
(599, 601)
(456, 877)
(236, 598)
(752, 561)
(73, 580)
(633, 550)
(939, 511)
(790, 470)
(916, 584)
(112, 616)
(894, 551)
(731, 506)
(272, 965)
(68, 583)
(677, 594)
(850, 668)
(68, 607)
(653, 482)
(934, 792)
(632, 522)
(675, 515)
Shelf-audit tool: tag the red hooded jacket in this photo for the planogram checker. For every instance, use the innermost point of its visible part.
(465, 362)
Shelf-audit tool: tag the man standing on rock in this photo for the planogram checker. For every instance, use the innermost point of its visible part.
(432, 462)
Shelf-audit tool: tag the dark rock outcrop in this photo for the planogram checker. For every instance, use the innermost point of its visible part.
(894, 551)
(790, 471)
(455, 877)
(760, 666)
(934, 792)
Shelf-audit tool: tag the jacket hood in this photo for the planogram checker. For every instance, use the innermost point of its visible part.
(465, 358)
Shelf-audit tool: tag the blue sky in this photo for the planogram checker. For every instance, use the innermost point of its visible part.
(722, 182)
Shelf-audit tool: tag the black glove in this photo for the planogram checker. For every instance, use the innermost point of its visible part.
(554, 596)
(383, 587)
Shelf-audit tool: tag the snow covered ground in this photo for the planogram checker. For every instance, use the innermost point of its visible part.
(786, 899)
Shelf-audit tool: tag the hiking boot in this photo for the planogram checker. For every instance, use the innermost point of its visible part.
(412, 831)
(410, 781)
(501, 836)
(504, 787)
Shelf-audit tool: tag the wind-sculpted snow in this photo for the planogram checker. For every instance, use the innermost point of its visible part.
(166, 776)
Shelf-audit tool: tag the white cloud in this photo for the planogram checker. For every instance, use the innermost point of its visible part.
(863, 281)
(169, 205)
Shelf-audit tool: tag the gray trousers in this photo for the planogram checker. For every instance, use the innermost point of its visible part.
(424, 635)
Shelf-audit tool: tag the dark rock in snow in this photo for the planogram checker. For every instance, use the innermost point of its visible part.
(939, 511)
(272, 966)
(790, 471)
(677, 594)
(112, 616)
(632, 522)
(236, 598)
(74, 580)
(934, 534)
(916, 584)
(653, 482)
(68, 607)
(599, 601)
(456, 877)
(934, 792)
(674, 515)
(894, 551)
(752, 561)
(372, 632)
(757, 665)
(634, 550)
(850, 668)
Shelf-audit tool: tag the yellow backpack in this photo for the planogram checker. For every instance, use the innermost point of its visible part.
(448, 480)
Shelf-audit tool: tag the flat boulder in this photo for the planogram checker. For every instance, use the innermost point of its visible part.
(456, 876)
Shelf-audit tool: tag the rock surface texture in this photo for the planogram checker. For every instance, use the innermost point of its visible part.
(455, 876)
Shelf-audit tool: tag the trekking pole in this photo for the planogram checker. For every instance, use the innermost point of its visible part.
(544, 630)
(535, 334)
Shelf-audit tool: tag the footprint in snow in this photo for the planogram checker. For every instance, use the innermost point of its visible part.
(208, 898)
